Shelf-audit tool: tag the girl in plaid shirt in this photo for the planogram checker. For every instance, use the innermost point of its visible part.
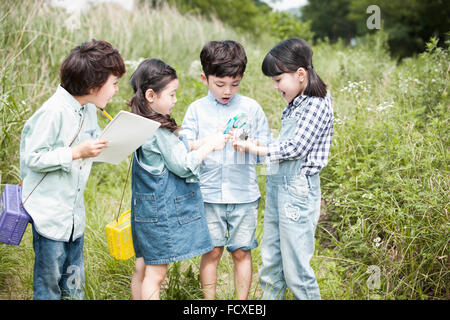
(294, 161)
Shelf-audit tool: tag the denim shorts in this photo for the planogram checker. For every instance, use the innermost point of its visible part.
(232, 225)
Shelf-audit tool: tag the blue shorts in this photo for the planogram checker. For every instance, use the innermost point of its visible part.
(232, 225)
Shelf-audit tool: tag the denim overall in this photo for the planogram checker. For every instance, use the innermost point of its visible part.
(290, 219)
(167, 216)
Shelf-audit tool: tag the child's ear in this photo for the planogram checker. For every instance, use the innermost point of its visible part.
(150, 95)
(204, 78)
(301, 74)
(94, 90)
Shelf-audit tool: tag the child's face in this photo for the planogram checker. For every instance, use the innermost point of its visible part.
(165, 100)
(289, 84)
(100, 97)
(222, 88)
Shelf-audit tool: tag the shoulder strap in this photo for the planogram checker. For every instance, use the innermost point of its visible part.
(75, 138)
(124, 187)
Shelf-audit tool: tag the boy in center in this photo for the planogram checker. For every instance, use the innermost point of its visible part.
(228, 179)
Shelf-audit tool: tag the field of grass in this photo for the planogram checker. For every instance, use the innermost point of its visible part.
(384, 232)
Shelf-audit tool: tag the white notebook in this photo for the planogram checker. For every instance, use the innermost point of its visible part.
(125, 133)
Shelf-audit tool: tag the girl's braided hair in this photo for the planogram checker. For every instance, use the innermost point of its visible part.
(151, 74)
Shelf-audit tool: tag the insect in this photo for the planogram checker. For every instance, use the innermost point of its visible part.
(243, 134)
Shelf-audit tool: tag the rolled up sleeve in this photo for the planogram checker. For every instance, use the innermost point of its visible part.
(176, 156)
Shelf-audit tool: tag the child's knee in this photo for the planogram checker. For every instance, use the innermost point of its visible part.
(156, 273)
(241, 255)
(139, 267)
(215, 254)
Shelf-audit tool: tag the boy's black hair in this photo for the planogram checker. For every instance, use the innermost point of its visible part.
(89, 65)
(288, 56)
(223, 59)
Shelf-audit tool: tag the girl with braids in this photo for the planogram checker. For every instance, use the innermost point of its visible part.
(167, 214)
(295, 160)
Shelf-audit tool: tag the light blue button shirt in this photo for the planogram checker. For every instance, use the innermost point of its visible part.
(57, 204)
(227, 176)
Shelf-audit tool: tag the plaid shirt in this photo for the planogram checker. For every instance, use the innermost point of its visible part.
(312, 138)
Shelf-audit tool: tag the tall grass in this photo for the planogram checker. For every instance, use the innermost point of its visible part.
(385, 188)
(387, 183)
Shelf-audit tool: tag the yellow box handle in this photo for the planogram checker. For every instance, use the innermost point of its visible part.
(123, 216)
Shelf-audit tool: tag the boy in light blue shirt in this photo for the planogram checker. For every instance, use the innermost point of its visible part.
(228, 179)
(56, 144)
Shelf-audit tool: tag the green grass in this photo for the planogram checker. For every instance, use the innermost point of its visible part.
(385, 189)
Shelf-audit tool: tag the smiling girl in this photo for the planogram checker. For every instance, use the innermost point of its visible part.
(299, 154)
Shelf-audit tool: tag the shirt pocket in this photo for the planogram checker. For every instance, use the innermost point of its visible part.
(90, 134)
(187, 207)
(144, 207)
(288, 127)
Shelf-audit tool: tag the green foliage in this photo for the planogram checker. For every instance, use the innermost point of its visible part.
(243, 15)
(387, 184)
(409, 24)
(182, 284)
(329, 19)
(284, 25)
(249, 16)
(12, 116)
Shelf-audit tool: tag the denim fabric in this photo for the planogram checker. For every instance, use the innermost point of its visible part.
(233, 225)
(290, 220)
(58, 268)
(167, 216)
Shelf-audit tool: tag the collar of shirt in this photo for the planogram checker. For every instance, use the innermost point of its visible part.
(296, 102)
(77, 107)
(232, 100)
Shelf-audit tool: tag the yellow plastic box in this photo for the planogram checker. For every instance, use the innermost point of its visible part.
(118, 233)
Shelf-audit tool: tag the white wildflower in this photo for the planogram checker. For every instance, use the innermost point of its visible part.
(195, 69)
(377, 241)
(133, 64)
(385, 105)
(338, 121)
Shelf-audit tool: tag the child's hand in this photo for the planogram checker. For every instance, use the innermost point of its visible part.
(251, 146)
(220, 129)
(243, 146)
(194, 145)
(88, 149)
(218, 140)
